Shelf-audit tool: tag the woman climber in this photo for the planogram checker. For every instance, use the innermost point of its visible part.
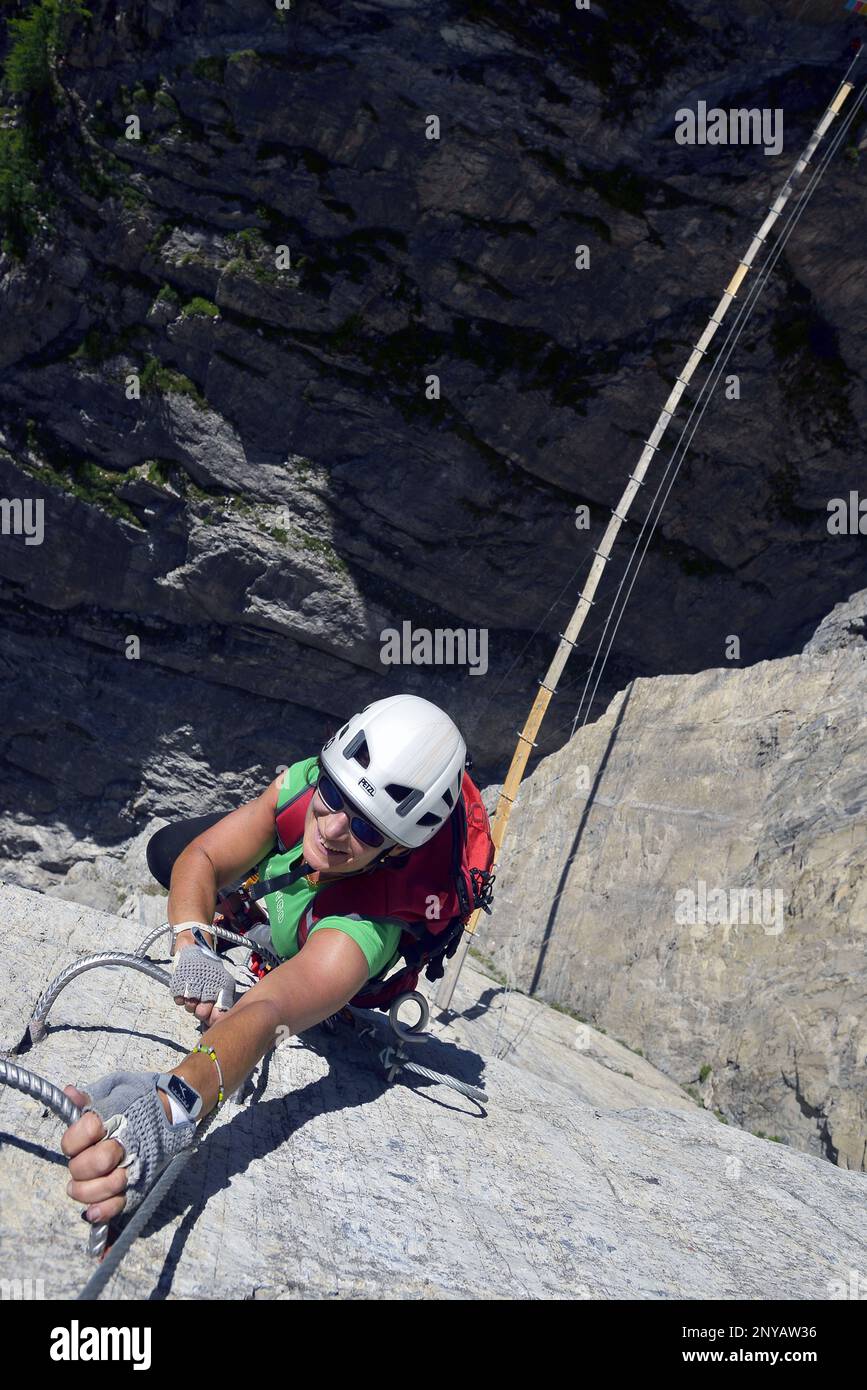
(385, 806)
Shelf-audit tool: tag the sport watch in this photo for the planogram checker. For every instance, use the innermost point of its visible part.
(202, 941)
(180, 1090)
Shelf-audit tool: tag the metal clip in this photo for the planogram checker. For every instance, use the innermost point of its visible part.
(389, 1058)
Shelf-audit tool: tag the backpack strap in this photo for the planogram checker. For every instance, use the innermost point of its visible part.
(288, 818)
(271, 885)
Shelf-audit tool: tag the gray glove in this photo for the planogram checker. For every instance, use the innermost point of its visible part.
(129, 1106)
(199, 973)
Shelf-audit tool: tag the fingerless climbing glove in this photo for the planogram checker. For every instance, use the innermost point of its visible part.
(129, 1106)
(199, 973)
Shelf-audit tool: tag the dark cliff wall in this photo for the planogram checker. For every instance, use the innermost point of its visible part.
(284, 489)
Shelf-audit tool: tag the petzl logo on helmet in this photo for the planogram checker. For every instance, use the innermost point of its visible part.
(371, 791)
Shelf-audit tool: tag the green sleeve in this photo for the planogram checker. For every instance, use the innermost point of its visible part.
(296, 777)
(378, 937)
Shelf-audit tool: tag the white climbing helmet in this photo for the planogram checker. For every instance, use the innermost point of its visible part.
(401, 762)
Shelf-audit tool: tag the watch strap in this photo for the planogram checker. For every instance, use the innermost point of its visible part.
(163, 1083)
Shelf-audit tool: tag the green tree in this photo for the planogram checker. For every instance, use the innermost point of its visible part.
(33, 42)
(27, 73)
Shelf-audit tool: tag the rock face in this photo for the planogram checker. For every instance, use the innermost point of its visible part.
(574, 1180)
(285, 373)
(222, 554)
(701, 853)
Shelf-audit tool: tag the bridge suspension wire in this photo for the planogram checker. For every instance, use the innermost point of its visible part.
(568, 639)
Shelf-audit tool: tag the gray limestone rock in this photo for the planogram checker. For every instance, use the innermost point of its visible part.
(322, 1180)
(690, 872)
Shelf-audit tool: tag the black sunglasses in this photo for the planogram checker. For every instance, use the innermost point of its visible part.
(334, 799)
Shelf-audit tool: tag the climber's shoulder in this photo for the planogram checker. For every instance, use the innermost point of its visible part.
(294, 778)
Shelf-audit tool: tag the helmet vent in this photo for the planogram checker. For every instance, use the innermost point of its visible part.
(357, 748)
(397, 792)
(428, 819)
(448, 798)
(407, 798)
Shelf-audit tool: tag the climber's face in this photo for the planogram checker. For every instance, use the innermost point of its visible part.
(329, 841)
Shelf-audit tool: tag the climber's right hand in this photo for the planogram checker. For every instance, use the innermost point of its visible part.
(201, 982)
(121, 1143)
(97, 1176)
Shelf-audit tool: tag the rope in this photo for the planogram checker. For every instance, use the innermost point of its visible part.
(568, 585)
(52, 1096)
(704, 396)
(66, 1109)
(134, 961)
(144, 946)
(394, 1058)
(100, 1277)
(44, 1091)
(463, 1087)
(681, 448)
(744, 313)
(47, 1093)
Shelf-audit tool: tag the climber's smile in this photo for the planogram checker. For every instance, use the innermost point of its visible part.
(329, 844)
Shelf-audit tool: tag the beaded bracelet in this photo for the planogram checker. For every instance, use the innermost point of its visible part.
(212, 1054)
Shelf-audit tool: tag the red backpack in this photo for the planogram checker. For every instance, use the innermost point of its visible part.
(433, 890)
